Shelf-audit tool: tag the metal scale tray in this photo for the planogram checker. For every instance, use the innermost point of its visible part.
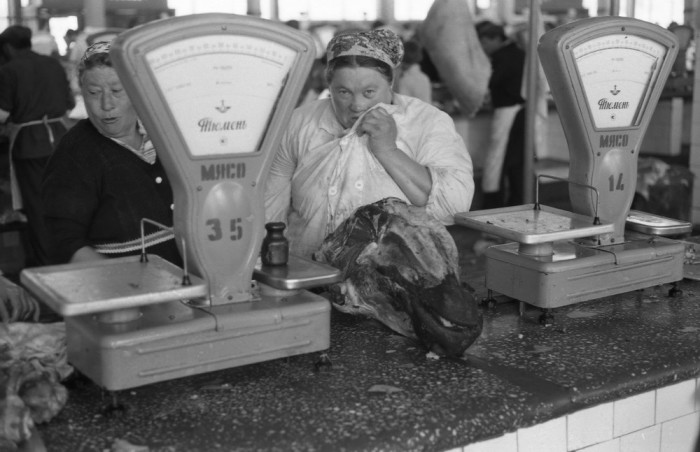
(527, 225)
(125, 283)
(110, 284)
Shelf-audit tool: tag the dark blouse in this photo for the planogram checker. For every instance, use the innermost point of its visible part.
(96, 191)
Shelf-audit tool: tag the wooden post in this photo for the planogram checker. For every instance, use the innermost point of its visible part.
(95, 13)
(531, 103)
(695, 117)
(16, 12)
(254, 8)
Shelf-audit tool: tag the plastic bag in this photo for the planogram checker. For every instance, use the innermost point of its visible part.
(450, 38)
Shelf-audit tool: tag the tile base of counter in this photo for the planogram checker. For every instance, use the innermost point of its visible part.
(662, 420)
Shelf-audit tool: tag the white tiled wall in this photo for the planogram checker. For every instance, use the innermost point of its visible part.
(675, 401)
(646, 440)
(634, 413)
(549, 436)
(663, 420)
(589, 426)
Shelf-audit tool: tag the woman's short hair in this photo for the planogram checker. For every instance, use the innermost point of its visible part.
(97, 55)
(18, 36)
(355, 61)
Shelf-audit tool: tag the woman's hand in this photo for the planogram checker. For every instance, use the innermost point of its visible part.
(412, 178)
(380, 127)
(86, 254)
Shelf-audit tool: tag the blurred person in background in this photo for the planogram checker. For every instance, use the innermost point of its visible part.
(43, 41)
(412, 81)
(34, 99)
(505, 88)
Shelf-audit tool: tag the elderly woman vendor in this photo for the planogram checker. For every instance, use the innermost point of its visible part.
(364, 144)
(104, 177)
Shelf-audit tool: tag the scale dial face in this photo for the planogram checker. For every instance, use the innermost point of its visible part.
(221, 89)
(617, 73)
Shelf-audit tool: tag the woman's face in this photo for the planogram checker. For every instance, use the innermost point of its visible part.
(355, 90)
(107, 104)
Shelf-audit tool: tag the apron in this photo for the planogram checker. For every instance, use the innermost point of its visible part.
(13, 130)
(501, 124)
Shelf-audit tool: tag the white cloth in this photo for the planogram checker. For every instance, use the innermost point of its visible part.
(413, 82)
(501, 123)
(322, 173)
(44, 43)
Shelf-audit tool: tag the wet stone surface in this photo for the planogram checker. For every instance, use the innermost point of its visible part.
(382, 392)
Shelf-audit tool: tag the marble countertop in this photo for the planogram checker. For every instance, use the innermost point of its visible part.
(382, 392)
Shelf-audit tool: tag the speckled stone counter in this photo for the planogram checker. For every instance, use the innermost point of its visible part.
(383, 393)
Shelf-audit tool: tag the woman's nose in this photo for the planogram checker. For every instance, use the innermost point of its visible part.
(107, 102)
(357, 105)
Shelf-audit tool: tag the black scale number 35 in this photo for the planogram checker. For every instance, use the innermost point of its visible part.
(216, 232)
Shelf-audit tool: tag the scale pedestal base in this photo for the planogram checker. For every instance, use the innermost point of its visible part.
(126, 325)
(544, 265)
(575, 273)
(172, 340)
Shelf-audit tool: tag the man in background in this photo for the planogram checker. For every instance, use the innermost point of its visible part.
(34, 98)
(505, 87)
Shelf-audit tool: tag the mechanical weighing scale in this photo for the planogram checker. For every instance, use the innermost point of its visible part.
(215, 92)
(606, 75)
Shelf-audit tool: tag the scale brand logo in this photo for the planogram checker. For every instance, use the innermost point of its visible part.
(218, 171)
(614, 140)
(209, 125)
(605, 104)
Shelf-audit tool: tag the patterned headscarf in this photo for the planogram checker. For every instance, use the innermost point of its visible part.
(381, 44)
(98, 47)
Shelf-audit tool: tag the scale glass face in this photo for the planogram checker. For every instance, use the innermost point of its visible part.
(236, 81)
(617, 73)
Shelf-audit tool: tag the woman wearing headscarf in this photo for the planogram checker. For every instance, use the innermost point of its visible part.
(363, 144)
(105, 177)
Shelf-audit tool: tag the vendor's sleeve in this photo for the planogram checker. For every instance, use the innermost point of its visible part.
(70, 201)
(7, 88)
(278, 187)
(443, 152)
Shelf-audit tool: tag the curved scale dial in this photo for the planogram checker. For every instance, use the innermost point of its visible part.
(617, 73)
(236, 81)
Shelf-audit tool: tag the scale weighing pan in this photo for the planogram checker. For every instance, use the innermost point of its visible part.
(648, 223)
(111, 284)
(299, 273)
(528, 225)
